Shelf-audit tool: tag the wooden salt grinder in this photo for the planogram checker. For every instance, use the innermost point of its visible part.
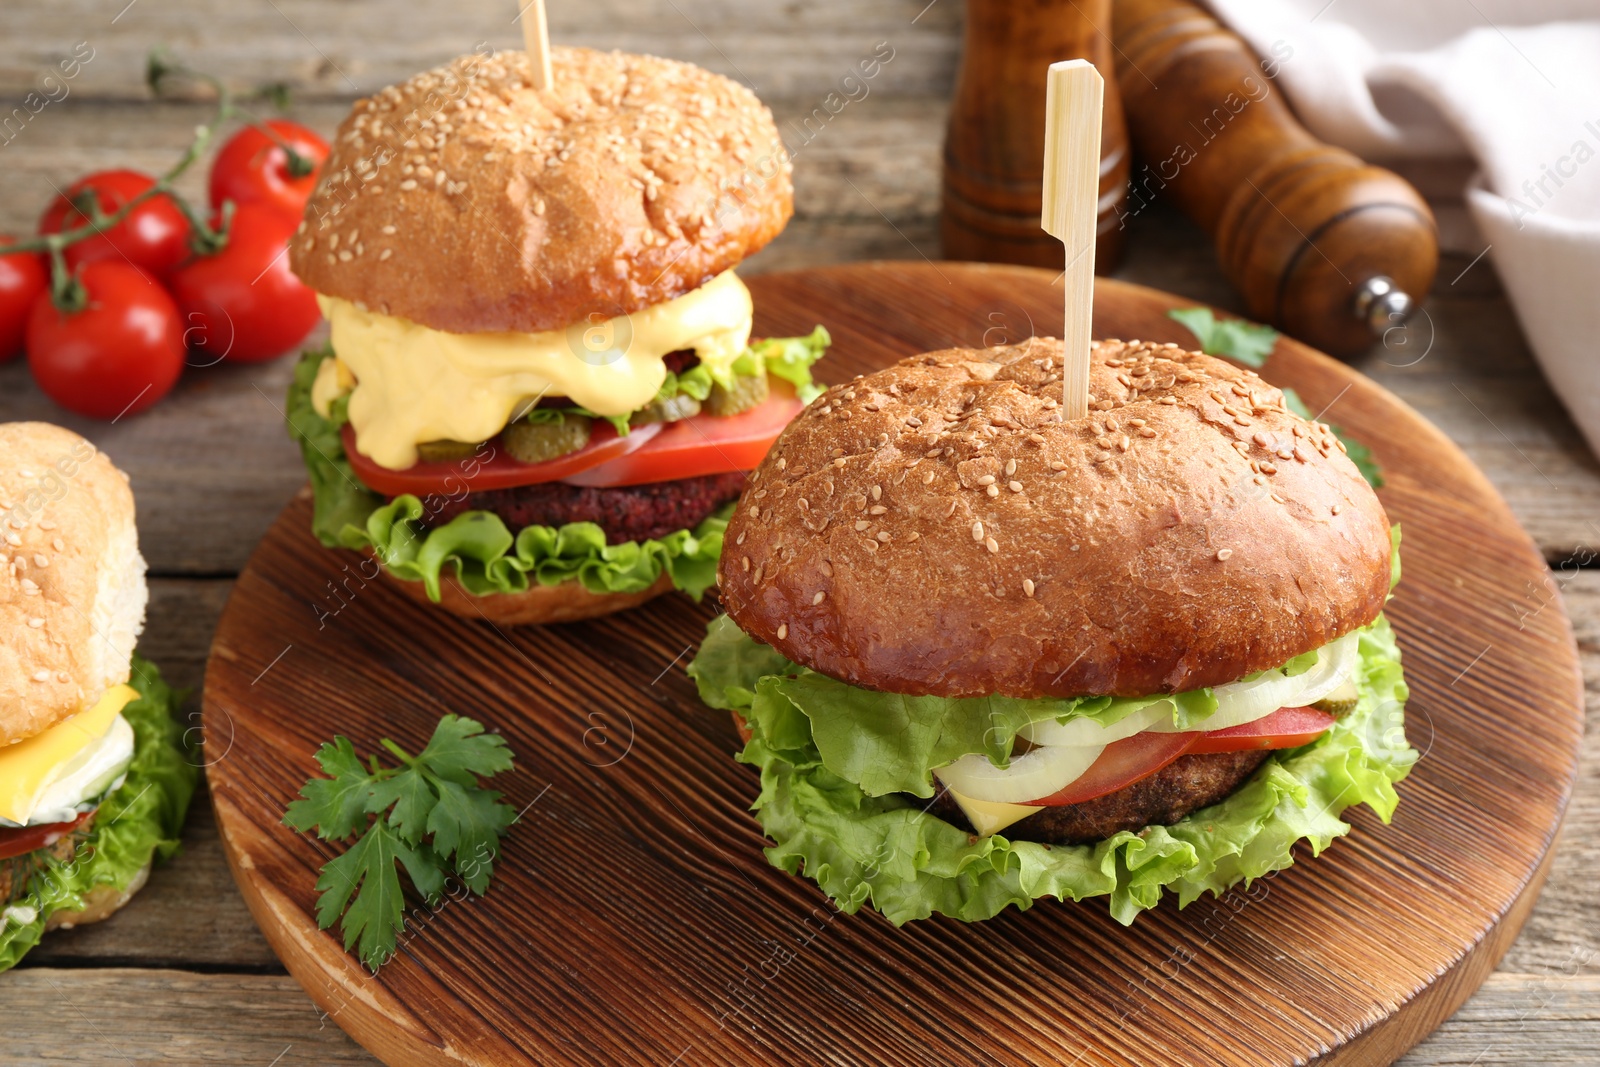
(1321, 245)
(994, 145)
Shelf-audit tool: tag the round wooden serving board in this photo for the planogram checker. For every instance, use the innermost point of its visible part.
(634, 920)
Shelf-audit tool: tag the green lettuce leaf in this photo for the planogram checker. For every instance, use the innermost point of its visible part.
(790, 358)
(485, 555)
(138, 821)
(889, 742)
(883, 850)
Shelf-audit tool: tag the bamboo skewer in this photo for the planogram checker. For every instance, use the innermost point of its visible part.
(536, 38)
(1071, 193)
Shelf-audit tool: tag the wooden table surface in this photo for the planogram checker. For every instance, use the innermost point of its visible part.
(182, 976)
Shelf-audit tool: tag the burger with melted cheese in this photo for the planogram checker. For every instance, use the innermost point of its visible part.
(94, 781)
(983, 654)
(541, 396)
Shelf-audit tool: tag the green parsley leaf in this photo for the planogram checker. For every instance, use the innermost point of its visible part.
(467, 824)
(459, 751)
(429, 815)
(1359, 453)
(1247, 342)
(336, 806)
(376, 915)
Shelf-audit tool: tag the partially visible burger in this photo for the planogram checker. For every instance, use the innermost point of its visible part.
(541, 396)
(982, 654)
(94, 781)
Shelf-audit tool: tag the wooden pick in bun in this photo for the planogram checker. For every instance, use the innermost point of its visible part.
(484, 249)
(1042, 656)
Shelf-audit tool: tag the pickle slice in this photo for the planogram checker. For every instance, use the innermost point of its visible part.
(536, 442)
(1340, 702)
(748, 391)
(443, 451)
(682, 406)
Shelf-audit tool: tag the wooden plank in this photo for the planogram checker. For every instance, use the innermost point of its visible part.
(1560, 935)
(193, 893)
(344, 50)
(193, 1020)
(1528, 1020)
(123, 1015)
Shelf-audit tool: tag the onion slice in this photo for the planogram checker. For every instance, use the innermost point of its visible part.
(1039, 772)
(1089, 732)
(1242, 702)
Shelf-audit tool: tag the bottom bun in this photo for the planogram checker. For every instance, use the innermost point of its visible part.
(538, 604)
(99, 904)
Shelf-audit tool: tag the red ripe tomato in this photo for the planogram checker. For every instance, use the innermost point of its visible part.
(498, 470)
(705, 444)
(23, 276)
(19, 841)
(253, 168)
(118, 355)
(1121, 764)
(1284, 728)
(243, 303)
(154, 237)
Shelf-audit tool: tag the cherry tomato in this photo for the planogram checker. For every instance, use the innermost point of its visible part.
(117, 356)
(243, 303)
(154, 236)
(23, 276)
(22, 840)
(499, 471)
(1284, 728)
(253, 168)
(1121, 764)
(705, 444)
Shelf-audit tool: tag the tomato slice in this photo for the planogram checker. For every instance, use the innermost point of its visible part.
(1121, 764)
(705, 444)
(494, 469)
(1284, 728)
(22, 840)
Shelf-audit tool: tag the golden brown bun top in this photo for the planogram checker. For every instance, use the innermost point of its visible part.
(72, 587)
(465, 200)
(938, 528)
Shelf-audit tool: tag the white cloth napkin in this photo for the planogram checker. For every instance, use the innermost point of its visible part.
(1512, 84)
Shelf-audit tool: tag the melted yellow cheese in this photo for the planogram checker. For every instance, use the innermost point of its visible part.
(415, 384)
(988, 816)
(28, 768)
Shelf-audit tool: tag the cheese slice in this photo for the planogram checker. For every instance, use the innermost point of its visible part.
(415, 384)
(990, 817)
(29, 769)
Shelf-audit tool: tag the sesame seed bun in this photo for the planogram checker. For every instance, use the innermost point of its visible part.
(937, 528)
(467, 201)
(72, 589)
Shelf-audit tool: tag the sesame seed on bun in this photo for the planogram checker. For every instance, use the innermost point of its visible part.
(939, 528)
(465, 200)
(72, 586)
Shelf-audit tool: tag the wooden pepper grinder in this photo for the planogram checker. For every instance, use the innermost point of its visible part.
(1320, 244)
(994, 146)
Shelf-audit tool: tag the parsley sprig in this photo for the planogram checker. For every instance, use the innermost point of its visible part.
(429, 815)
(1247, 342)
